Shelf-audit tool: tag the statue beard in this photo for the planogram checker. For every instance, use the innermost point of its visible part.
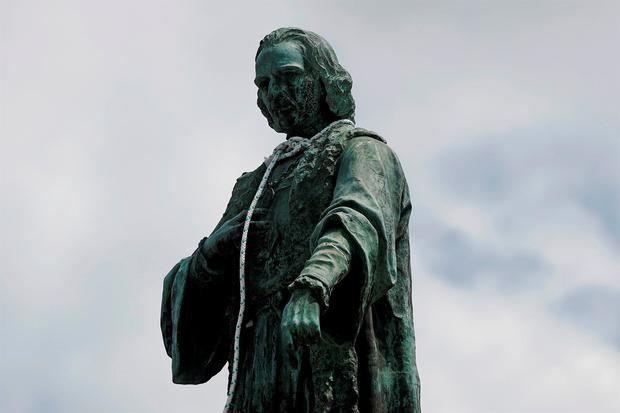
(304, 109)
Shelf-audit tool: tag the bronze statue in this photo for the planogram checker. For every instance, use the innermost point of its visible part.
(304, 286)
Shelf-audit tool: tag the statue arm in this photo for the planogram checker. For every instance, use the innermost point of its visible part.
(198, 300)
(194, 324)
(204, 270)
(361, 223)
(329, 263)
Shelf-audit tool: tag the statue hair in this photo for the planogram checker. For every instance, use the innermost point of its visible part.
(322, 58)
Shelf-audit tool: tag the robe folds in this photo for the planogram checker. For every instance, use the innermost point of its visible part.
(347, 185)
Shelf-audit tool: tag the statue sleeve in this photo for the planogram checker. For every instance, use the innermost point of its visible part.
(205, 271)
(365, 209)
(329, 263)
(194, 324)
(198, 304)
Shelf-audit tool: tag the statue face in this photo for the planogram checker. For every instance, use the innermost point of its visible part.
(289, 94)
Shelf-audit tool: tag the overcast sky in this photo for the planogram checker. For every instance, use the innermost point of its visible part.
(124, 124)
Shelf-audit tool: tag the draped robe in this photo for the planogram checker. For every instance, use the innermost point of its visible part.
(347, 183)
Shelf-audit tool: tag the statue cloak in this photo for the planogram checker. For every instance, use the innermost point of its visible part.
(347, 179)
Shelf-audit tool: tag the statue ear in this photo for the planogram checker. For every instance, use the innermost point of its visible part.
(327, 98)
(338, 96)
(323, 90)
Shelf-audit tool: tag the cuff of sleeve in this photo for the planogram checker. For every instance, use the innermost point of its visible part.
(317, 288)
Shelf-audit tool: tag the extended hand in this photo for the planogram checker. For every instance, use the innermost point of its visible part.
(300, 320)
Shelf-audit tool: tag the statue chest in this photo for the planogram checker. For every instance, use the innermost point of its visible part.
(297, 192)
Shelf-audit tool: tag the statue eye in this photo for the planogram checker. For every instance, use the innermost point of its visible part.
(291, 75)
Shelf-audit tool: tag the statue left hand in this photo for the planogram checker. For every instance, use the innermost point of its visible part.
(300, 320)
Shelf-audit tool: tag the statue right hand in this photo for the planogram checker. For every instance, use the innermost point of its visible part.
(225, 241)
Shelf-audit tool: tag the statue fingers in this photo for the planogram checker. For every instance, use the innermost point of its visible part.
(232, 237)
(312, 325)
(240, 216)
(260, 212)
(303, 331)
(260, 225)
(295, 324)
(296, 335)
(309, 330)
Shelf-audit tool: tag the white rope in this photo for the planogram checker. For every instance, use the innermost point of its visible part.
(286, 149)
(244, 240)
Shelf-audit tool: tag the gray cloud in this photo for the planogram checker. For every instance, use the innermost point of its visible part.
(568, 158)
(454, 256)
(478, 172)
(596, 308)
(602, 199)
(532, 173)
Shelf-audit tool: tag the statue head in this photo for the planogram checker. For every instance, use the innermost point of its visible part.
(301, 86)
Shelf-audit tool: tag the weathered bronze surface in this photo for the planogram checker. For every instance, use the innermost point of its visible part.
(328, 325)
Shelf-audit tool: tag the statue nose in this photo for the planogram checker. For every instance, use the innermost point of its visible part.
(274, 94)
(275, 89)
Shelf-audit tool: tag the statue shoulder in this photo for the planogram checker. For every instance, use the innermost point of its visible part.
(365, 149)
(359, 139)
(364, 133)
(258, 171)
(249, 180)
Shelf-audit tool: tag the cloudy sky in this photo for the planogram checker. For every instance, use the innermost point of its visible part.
(124, 124)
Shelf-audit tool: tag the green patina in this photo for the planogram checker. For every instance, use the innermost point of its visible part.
(329, 321)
